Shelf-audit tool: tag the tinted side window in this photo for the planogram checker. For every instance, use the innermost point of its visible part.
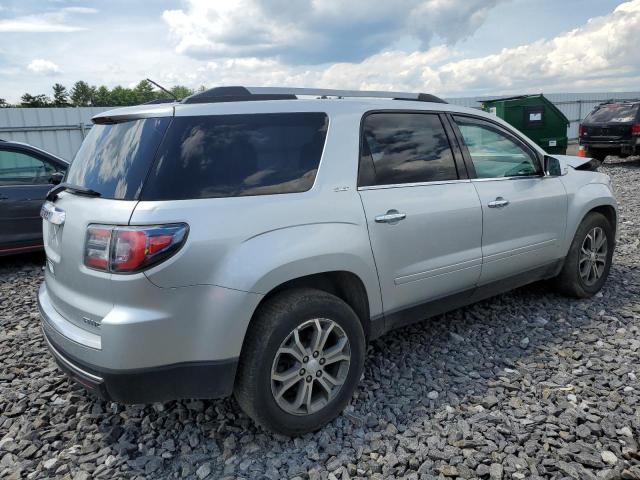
(18, 168)
(404, 148)
(237, 155)
(495, 153)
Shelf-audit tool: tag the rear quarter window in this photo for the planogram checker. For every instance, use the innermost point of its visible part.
(237, 155)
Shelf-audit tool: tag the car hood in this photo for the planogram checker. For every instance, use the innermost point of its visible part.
(572, 160)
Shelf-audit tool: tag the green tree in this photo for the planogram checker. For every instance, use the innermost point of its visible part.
(144, 92)
(60, 96)
(102, 97)
(181, 91)
(3, 103)
(82, 94)
(121, 96)
(30, 101)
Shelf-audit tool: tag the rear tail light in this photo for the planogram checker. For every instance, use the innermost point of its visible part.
(580, 131)
(131, 249)
(635, 129)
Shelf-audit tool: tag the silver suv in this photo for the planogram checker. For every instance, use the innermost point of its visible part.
(253, 240)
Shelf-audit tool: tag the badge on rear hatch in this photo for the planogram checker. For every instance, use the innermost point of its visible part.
(52, 214)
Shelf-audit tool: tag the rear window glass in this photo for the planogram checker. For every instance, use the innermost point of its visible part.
(114, 158)
(613, 113)
(237, 155)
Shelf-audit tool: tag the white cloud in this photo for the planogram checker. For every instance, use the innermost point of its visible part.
(602, 53)
(80, 10)
(41, 66)
(603, 50)
(50, 22)
(315, 31)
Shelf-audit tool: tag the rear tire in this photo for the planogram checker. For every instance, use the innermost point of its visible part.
(599, 154)
(586, 266)
(300, 344)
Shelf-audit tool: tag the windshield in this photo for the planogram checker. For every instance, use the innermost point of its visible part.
(613, 113)
(114, 158)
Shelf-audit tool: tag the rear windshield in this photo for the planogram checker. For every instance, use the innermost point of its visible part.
(114, 158)
(237, 155)
(613, 113)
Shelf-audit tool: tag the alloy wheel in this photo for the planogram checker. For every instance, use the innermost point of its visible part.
(310, 366)
(593, 256)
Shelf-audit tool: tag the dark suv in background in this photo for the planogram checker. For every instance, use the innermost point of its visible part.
(26, 175)
(612, 128)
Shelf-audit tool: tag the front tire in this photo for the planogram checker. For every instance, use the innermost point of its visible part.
(588, 262)
(301, 361)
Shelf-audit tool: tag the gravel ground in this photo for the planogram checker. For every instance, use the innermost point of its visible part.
(525, 385)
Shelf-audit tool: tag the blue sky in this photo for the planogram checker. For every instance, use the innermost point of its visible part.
(448, 47)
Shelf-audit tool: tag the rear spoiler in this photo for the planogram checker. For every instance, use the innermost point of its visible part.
(137, 112)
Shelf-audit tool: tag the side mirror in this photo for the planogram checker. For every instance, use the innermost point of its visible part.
(56, 178)
(552, 167)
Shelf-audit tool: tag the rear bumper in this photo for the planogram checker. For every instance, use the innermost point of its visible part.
(625, 145)
(158, 384)
(144, 361)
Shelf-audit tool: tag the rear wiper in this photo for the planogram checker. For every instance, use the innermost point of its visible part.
(77, 189)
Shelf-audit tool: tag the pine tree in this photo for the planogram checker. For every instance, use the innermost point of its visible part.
(60, 96)
(34, 101)
(82, 94)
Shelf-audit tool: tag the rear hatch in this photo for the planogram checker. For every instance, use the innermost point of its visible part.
(113, 162)
(610, 122)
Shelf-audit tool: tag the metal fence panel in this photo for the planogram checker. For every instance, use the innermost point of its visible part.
(61, 130)
(56, 130)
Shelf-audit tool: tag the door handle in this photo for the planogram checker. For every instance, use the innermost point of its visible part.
(499, 203)
(392, 216)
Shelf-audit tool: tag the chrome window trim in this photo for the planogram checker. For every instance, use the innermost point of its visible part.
(415, 184)
(499, 179)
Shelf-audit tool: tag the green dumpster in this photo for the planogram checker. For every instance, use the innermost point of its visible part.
(536, 117)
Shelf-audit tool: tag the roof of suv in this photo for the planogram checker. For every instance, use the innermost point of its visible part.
(229, 100)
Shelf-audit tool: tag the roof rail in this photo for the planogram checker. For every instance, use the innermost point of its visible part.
(159, 101)
(240, 94)
(620, 100)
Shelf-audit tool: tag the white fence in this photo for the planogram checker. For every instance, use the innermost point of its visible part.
(61, 130)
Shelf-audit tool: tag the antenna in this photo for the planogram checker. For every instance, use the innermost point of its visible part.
(163, 89)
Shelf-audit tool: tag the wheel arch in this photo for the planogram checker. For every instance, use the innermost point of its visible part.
(590, 198)
(344, 284)
(608, 212)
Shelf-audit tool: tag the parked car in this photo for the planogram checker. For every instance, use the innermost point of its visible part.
(612, 128)
(27, 173)
(249, 241)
